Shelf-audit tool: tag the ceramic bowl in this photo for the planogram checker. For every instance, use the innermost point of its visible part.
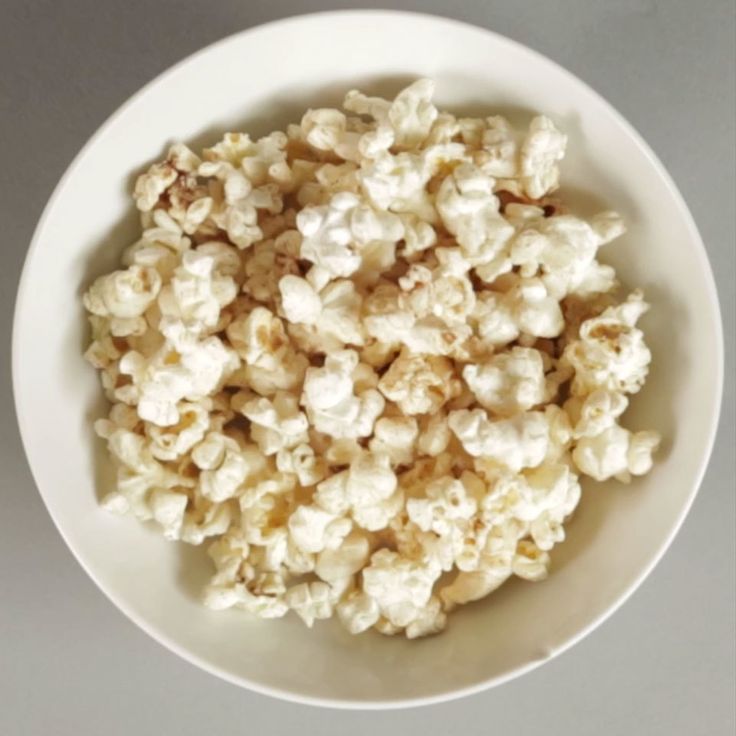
(258, 81)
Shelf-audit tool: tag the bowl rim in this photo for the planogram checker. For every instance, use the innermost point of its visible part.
(162, 638)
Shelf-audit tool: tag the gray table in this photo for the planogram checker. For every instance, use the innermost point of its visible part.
(71, 664)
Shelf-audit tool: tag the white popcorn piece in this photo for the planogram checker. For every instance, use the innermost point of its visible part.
(186, 369)
(341, 562)
(400, 587)
(115, 503)
(508, 383)
(395, 437)
(536, 312)
(311, 601)
(518, 442)
(368, 490)
(616, 453)
(312, 529)
(331, 314)
(595, 413)
(444, 292)
(500, 147)
(331, 405)
(388, 318)
(563, 249)
(358, 612)
(419, 384)
(530, 562)
(168, 509)
(302, 462)
(333, 234)
(324, 128)
(610, 352)
(418, 235)
(470, 211)
(431, 620)
(546, 531)
(527, 308)
(471, 586)
(299, 300)
(123, 294)
(170, 443)
(412, 113)
(150, 186)
(542, 148)
(276, 424)
(272, 364)
(435, 435)
(398, 183)
(138, 473)
(446, 503)
(242, 196)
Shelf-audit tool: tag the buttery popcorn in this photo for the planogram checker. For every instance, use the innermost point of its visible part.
(368, 359)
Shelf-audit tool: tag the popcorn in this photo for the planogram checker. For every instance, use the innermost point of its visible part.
(123, 294)
(508, 383)
(170, 443)
(398, 183)
(527, 307)
(445, 292)
(341, 562)
(302, 462)
(596, 413)
(471, 586)
(369, 358)
(271, 362)
(412, 113)
(519, 442)
(610, 352)
(197, 293)
(324, 128)
(358, 612)
(562, 250)
(332, 314)
(435, 435)
(367, 490)
(182, 370)
(500, 148)
(419, 384)
(431, 620)
(470, 212)
(330, 230)
(542, 148)
(224, 478)
(168, 509)
(395, 437)
(150, 186)
(400, 587)
(276, 424)
(311, 601)
(313, 530)
(530, 562)
(615, 453)
(331, 405)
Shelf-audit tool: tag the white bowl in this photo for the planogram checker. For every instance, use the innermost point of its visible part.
(257, 81)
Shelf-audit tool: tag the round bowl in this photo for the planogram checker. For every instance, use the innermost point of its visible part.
(258, 81)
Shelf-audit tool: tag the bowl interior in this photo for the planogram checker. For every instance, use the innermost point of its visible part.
(258, 81)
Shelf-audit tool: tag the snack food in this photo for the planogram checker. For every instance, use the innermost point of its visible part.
(366, 360)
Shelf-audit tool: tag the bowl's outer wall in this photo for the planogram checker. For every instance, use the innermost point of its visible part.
(618, 533)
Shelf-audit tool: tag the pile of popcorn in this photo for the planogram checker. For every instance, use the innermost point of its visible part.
(366, 361)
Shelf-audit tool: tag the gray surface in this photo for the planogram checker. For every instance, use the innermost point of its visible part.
(71, 664)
